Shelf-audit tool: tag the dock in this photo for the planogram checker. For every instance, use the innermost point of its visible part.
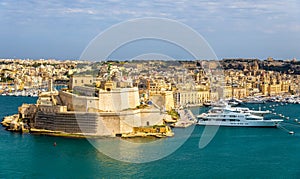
(186, 119)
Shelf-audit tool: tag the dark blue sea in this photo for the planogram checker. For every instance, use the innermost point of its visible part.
(233, 153)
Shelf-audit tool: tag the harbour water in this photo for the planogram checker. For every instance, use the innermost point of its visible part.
(233, 153)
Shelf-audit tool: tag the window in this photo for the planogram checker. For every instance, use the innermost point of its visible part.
(251, 119)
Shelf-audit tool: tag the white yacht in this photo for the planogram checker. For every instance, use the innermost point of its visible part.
(228, 116)
(234, 102)
(246, 110)
(255, 100)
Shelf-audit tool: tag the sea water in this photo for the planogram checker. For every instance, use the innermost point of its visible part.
(233, 153)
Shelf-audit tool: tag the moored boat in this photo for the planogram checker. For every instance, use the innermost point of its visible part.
(227, 116)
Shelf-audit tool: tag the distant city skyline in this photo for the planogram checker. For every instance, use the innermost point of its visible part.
(234, 29)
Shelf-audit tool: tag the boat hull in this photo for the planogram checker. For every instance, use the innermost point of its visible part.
(255, 102)
(264, 123)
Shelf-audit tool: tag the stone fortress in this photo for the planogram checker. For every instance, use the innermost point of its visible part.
(93, 106)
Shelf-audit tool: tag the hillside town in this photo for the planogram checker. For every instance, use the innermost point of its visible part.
(180, 82)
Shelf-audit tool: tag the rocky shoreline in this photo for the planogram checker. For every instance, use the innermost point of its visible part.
(15, 124)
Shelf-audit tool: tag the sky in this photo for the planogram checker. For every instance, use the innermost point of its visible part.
(62, 29)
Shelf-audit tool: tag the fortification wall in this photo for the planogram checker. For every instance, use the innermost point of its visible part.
(79, 103)
(67, 122)
(99, 124)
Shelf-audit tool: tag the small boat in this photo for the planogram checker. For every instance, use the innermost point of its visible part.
(207, 104)
(255, 101)
(233, 103)
(169, 119)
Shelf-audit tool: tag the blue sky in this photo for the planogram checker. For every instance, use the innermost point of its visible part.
(63, 28)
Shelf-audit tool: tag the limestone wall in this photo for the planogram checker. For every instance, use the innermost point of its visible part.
(151, 117)
(118, 99)
(52, 109)
(100, 124)
(67, 122)
(109, 101)
(81, 80)
(108, 125)
(79, 103)
(130, 119)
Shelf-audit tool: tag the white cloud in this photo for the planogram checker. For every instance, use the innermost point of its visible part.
(80, 10)
(235, 14)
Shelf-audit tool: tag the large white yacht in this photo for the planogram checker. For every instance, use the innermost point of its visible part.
(243, 110)
(228, 116)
